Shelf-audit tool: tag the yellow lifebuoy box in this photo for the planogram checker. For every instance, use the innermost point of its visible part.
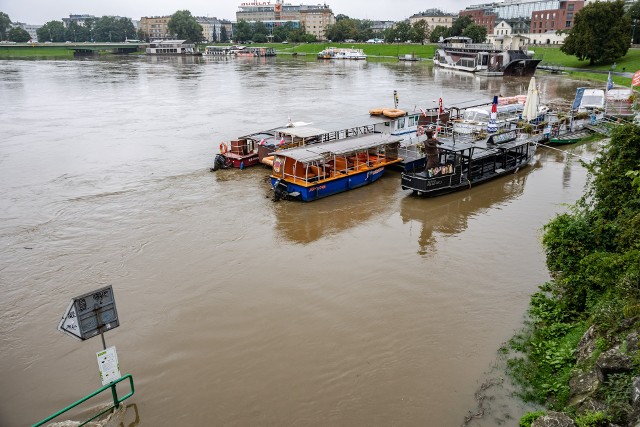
(393, 113)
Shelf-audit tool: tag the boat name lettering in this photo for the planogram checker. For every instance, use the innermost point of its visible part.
(377, 171)
(434, 182)
(504, 137)
(257, 3)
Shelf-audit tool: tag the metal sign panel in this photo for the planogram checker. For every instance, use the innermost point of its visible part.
(90, 314)
(69, 323)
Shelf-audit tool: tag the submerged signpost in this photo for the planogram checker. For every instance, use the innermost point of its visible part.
(91, 314)
(87, 316)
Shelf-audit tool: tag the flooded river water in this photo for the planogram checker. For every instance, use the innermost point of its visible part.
(367, 308)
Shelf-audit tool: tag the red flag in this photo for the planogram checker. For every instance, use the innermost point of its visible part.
(440, 103)
(262, 141)
(635, 81)
(282, 141)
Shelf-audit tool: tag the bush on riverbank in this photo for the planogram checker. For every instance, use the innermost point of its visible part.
(580, 351)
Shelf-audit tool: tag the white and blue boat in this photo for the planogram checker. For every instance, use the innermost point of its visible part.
(320, 170)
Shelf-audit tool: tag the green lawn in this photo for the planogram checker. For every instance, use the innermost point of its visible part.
(391, 50)
(35, 52)
(553, 56)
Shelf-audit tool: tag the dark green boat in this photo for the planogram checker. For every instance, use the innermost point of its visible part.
(570, 137)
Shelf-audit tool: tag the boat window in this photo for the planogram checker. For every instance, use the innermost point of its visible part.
(401, 123)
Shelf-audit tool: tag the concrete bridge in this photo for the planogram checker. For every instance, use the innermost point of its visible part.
(86, 48)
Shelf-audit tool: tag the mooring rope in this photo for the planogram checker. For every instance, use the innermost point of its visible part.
(564, 151)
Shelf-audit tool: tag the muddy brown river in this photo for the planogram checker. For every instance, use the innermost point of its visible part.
(369, 308)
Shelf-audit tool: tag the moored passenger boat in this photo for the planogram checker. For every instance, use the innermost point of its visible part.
(341, 53)
(460, 53)
(463, 165)
(316, 171)
(262, 145)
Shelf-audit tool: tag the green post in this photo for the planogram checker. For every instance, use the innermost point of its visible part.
(114, 393)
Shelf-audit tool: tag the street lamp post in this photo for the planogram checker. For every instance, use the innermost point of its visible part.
(109, 36)
(633, 33)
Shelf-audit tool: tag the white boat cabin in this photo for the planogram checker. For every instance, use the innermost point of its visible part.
(171, 47)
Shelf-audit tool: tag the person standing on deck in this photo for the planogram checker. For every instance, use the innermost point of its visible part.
(431, 149)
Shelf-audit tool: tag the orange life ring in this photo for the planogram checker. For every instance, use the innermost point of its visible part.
(393, 113)
(223, 148)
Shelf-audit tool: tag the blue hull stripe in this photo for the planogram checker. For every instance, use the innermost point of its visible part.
(328, 188)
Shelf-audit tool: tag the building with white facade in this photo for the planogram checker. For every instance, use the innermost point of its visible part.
(29, 28)
(433, 18)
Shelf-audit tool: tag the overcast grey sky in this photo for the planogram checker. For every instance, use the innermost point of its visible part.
(41, 11)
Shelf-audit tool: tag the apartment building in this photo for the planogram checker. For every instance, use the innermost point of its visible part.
(155, 27)
(313, 19)
(433, 18)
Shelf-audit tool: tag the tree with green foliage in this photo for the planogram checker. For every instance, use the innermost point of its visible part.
(259, 29)
(19, 35)
(78, 33)
(459, 25)
(5, 24)
(634, 16)
(593, 255)
(477, 33)
(184, 26)
(242, 32)
(223, 35)
(52, 31)
(283, 32)
(601, 33)
(419, 31)
(342, 30)
(437, 32)
(402, 32)
(111, 29)
(365, 30)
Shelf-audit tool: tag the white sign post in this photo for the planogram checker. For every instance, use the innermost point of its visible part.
(108, 365)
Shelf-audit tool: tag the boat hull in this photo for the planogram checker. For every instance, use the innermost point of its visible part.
(463, 178)
(328, 188)
(570, 137)
(241, 162)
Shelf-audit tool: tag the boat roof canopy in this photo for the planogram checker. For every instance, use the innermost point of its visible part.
(302, 131)
(317, 152)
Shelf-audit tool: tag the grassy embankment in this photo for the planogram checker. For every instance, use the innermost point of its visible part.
(35, 52)
(553, 56)
(549, 56)
(373, 50)
(593, 254)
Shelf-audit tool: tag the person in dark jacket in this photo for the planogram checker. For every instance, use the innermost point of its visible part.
(431, 149)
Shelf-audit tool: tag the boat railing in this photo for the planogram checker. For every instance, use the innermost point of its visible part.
(338, 166)
(471, 46)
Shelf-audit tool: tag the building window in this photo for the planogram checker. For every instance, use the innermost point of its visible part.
(568, 24)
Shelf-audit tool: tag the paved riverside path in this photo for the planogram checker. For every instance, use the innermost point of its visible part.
(557, 68)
